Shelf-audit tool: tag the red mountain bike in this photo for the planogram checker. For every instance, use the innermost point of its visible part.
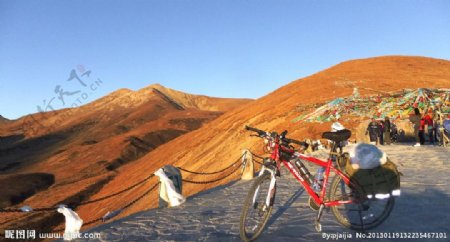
(351, 207)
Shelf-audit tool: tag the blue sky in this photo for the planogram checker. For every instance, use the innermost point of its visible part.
(225, 48)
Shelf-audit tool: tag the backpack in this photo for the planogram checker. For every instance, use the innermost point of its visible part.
(384, 179)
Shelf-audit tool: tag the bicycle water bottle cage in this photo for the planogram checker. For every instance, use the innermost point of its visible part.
(338, 136)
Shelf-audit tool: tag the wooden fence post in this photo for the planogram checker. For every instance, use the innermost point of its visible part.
(249, 168)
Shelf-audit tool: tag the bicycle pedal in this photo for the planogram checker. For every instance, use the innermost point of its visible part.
(318, 227)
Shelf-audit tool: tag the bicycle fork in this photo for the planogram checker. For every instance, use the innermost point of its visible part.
(271, 192)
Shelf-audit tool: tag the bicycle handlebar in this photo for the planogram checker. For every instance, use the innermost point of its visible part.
(297, 142)
(260, 132)
(264, 133)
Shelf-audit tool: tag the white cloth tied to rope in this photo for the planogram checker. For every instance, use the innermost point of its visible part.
(170, 195)
(73, 223)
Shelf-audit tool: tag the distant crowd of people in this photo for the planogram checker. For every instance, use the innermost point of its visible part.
(427, 126)
(382, 132)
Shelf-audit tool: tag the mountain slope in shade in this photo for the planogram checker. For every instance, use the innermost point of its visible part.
(3, 119)
(81, 149)
(220, 142)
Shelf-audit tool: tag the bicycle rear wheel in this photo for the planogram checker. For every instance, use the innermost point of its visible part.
(255, 212)
(362, 213)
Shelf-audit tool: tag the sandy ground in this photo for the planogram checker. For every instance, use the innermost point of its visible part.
(213, 215)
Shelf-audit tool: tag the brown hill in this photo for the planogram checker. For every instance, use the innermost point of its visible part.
(82, 148)
(217, 144)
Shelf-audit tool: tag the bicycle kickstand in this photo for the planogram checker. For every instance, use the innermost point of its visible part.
(317, 224)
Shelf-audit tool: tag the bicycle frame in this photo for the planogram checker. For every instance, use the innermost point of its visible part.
(318, 198)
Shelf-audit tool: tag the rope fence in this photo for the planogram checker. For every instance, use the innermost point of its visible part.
(109, 215)
(117, 193)
(210, 173)
(257, 156)
(212, 181)
(77, 204)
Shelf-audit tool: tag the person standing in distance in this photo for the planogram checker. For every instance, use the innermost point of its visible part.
(415, 120)
(373, 129)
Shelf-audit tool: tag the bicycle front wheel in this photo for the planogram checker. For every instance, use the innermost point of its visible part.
(256, 211)
(363, 213)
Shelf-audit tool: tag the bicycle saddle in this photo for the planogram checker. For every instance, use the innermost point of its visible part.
(337, 136)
